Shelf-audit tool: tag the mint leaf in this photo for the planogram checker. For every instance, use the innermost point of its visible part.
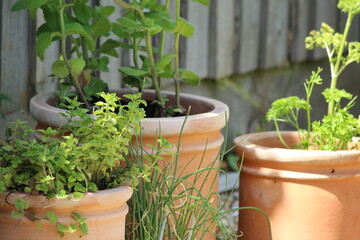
(101, 27)
(184, 28)
(82, 12)
(190, 78)
(132, 71)
(27, 4)
(52, 217)
(43, 41)
(16, 214)
(164, 61)
(78, 195)
(76, 28)
(77, 65)
(59, 69)
(129, 23)
(204, 2)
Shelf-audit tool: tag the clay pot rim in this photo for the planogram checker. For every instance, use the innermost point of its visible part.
(217, 114)
(124, 192)
(248, 144)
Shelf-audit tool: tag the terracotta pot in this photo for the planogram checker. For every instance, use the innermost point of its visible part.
(307, 194)
(200, 139)
(105, 212)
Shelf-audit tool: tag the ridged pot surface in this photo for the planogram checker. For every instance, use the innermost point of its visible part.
(105, 212)
(197, 138)
(307, 194)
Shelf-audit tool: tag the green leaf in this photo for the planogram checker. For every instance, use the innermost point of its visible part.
(95, 86)
(52, 217)
(184, 28)
(76, 28)
(82, 11)
(43, 41)
(107, 11)
(190, 78)
(59, 69)
(77, 65)
(100, 27)
(162, 19)
(129, 23)
(108, 47)
(103, 64)
(51, 16)
(84, 228)
(204, 2)
(16, 214)
(132, 71)
(78, 195)
(164, 61)
(8, 148)
(27, 4)
(62, 228)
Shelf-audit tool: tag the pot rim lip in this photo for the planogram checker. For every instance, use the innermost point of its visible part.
(126, 189)
(218, 116)
(244, 144)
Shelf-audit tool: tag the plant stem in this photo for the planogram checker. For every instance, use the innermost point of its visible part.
(176, 51)
(162, 39)
(73, 78)
(153, 73)
(335, 73)
(279, 134)
(85, 51)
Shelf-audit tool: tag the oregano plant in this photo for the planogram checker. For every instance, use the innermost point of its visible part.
(87, 155)
(339, 126)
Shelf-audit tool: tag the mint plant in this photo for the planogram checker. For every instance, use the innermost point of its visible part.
(142, 21)
(338, 127)
(74, 23)
(84, 156)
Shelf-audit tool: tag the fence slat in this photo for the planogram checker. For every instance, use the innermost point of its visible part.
(274, 52)
(221, 38)
(249, 35)
(197, 48)
(300, 29)
(15, 65)
(326, 11)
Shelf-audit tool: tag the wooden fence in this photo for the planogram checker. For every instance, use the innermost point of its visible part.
(231, 37)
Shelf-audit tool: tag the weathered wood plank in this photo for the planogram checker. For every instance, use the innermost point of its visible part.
(299, 29)
(326, 11)
(274, 49)
(248, 13)
(221, 55)
(197, 47)
(16, 68)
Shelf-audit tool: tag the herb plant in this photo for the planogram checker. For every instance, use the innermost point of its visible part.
(88, 158)
(144, 20)
(338, 127)
(74, 23)
(169, 204)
